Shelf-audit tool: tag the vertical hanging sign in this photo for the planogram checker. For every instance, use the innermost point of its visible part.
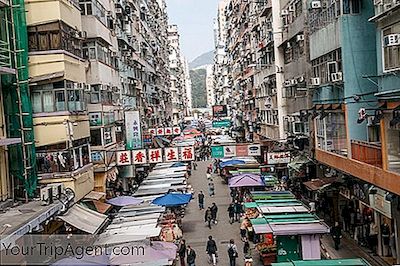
(133, 130)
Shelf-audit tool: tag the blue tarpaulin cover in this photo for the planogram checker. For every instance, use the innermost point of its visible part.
(231, 162)
(173, 199)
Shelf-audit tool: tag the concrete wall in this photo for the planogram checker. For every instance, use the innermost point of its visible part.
(40, 12)
(59, 131)
(358, 60)
(325, 40)
(45, 64)
(100, 73)
(96, 29)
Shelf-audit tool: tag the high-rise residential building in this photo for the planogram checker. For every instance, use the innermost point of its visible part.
(188, 87)
(178, 76)
(210, 86)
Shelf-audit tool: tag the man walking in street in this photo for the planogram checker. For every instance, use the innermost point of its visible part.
(201, 200)
(191, 256)
(182, 252)
(231, 213)
(214, 210)
(211, 250)
(336, 235)
(238, 210)
(232, 253)
(208, 217)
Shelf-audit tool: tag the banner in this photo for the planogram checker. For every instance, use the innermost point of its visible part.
(133, 130)
(239, 150)
(160, 131)
(160, 155)
(222, 123)
(176, 130)
(278, 157)
(219, 110)
(155, 156)
(168, 131)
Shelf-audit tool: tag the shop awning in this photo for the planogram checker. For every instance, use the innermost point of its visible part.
(275, 209)
(95, 195)
(319, 184)
(262, 228)
(299, 229)
(84, 219)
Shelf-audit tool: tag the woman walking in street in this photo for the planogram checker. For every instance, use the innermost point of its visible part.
(231, 213)
(191, 256)
(211, 189)
(182, 252)
(232, 252)
(211, 250)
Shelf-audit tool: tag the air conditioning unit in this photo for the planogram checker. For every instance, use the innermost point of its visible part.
(315, 4)
(118, 129)
(391, 40)
(293, 82)
(107, 135)
(46, 195)
(300, 37)
(125, 19)
(315, 81)
(284, 12)
(114, 54)
(57, 189)
(124, 47)
(118, 10)
(300, 79)
(287, 83)
(370, 120)
(273, 91)
(87, 87)
(387, 6)
(291, 9)
(84, 34)
(335, 77)
(288, 45)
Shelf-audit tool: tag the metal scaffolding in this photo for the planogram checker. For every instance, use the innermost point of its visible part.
(17, 103)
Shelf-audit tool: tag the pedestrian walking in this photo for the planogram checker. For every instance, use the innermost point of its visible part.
(238, 210)
(191, 256)
(232, 253)
(211, 189)
(233, 194)
(214, 211)
(211, 250)
(336, 235)
(200, 196)
(194, 165)
(208, 217)
(246, 247)
(243, 228)
(182, 252)
(231, 213)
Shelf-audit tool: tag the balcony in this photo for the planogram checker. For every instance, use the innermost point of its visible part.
(367, 152)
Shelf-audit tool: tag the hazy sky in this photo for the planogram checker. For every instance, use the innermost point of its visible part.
(195, 23)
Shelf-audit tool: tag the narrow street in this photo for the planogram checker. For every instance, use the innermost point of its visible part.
(194, 228)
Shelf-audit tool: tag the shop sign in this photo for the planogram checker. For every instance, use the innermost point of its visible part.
(133, 130)
(222, 123)
(235, 150)
(187, 153)
(97, 157)
(139, 156)
(155, 155)
(254, 150)
(278, 157)
(124, 158)
(171, 154)
(217, 151)
(164, 131)
(219, 110)
(379, 203)
(147, 139)
(229, 151)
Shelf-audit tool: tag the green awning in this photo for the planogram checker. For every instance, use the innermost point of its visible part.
(333, 262)
(258, 221)
(248, 205)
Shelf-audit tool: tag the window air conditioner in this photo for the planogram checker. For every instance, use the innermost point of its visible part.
(284, 12)
(118, 129)
(300, 37)
(118, 10)
(107, 135)
(293, 82)
(335, 77)
(291, 9)
(315, 81)
(315, 4)
(287, 83)
(391, 40)
(57, 189)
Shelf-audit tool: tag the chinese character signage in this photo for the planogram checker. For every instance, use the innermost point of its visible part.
(160, 131)
(124, 158)
(219, 110)
(133, 130)
(239, 150)
(176, 130)
(152, 131)
(139, 156)
(278, 157)
(155, 156)
(171, 154)
(187, 153)
(168, 131)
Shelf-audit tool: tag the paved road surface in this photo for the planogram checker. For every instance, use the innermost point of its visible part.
(195, 230)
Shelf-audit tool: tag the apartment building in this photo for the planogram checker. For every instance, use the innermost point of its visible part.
(177, 74)
(188, 87)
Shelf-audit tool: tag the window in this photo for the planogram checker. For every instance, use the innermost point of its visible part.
(325, 65)
(331, 133)
(351, 6)
(95, 137)
(107, 136)
(52, 97)
(391, 47)
(93, 8)
(95, 93)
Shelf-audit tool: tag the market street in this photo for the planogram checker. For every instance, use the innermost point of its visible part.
(195, 230)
